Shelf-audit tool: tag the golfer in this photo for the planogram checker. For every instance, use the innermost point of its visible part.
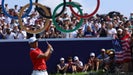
(39, 58)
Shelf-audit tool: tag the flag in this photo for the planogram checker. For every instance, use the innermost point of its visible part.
(123, 55)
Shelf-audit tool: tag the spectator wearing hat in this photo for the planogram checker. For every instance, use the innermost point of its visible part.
(102, 58)
(39, 58)
(69, 65)
(78, 65)
(110, 64)
(119, 33)
(126, 33)
(123, 34)
(93, 63)
(61, 67)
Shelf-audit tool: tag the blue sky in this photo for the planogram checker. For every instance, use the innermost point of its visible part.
(124, 6)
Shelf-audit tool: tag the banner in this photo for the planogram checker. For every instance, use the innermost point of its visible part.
(15, 59)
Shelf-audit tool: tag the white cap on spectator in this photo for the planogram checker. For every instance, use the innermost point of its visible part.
(66, 19)
(15, 24)
(92, 54)
(103, 50)
(126, 28)
(120, 30)
(32, 39)
(76, 58)
(50, 19)
(61, 59)
(3, 18)
(81, 28)
(110, 53)
(10, 29)
(74, 18)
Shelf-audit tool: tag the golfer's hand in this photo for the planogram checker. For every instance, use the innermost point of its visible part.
(50, 47)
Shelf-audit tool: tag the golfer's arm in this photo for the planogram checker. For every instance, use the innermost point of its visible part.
(46, 54)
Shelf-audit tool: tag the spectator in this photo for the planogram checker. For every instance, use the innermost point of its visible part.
(110, 64)
(102, 58)
(91, 27)
(9, 34)
(16, 8)
(46, 35)
(123, 34)
(1, 33)
(78, 65)
(61, 67)
(120, 34)
(6, 7)
(126, 33)
(102, 32)
(80, 33)
(93, 63)
(21, 34)
(58, 35)
(2, 17)
(127, 24)
(111, 30)
(52, 33)
(15, 29)
(69, 65)
(88, 29)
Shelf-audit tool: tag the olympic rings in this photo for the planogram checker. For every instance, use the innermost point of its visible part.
(32, 31)
(90, 15)
(58, 27)
(49, 17)
(15, 17)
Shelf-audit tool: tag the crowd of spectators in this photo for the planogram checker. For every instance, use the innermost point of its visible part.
(106, 61)
(112, 24)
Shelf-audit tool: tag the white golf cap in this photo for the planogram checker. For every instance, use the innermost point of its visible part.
(120, 30)
(103, 50)
(110, 53)
(76, 58)
(126, 29)
(32, 39)
(62, 59)
(92, 54)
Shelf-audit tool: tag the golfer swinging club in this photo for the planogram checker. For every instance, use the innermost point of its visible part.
(39, 58)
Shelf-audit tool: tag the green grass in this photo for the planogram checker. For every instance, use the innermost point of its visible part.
(95, 73)
(83, 73)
